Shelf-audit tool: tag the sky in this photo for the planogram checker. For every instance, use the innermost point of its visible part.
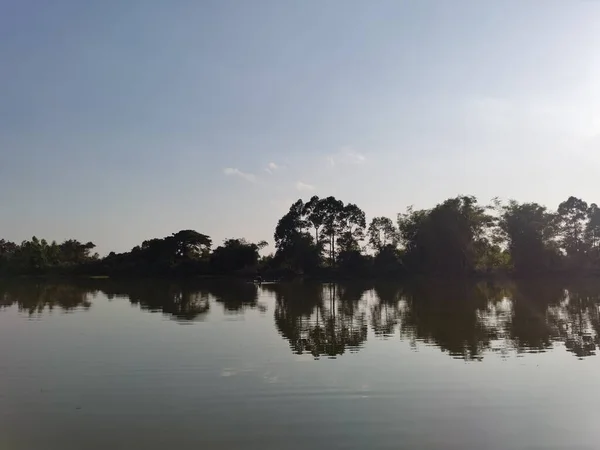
(126, 120)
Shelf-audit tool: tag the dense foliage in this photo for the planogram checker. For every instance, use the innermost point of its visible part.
(326, 238)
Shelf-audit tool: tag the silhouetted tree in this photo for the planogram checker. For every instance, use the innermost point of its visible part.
(448, 239)
(530, 232)
(382, 233)
(235, 255)
(592, 235)
(315, 214)
(572, 215)
(334, 211)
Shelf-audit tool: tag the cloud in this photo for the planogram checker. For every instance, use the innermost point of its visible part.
(238, 173)
(272, 167)
(303, 187)
(346, 155)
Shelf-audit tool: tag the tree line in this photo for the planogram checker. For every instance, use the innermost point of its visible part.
(457, 237)
(185, 253)
(327, 238)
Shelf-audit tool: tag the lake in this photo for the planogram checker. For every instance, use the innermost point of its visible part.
(103, 364)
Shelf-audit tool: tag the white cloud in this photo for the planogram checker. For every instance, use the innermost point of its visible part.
(304, 187)
(346, 155)
(238, 173)
(272, 167)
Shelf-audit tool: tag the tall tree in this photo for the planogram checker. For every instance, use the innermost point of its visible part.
(315, 214)
(572, 215)
(334, 209)
(351, 228)
(295, 247)
(592, 233)
(530, 232)
(382, 233)
(291, 226)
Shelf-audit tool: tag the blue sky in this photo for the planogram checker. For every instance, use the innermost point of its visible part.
(125, 120)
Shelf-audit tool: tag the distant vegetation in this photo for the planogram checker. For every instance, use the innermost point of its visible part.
(325, 238)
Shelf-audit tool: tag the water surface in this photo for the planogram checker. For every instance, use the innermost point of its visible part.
(145, 364)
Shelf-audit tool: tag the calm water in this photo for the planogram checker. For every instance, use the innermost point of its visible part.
(156, 365)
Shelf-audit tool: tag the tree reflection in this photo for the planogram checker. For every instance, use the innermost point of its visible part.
(578, 319)
(35, 297)
(465, 320)
(323, 320)
(468, 320)
(185, 300)
(533, 325)
(235, 296)
(181, 301)
(449, 316)
(387, 309)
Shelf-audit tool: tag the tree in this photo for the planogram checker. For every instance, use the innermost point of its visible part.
(190, 244)
(7, 252)
(572, 215)
(592, 229)
(300, 255)
(235, 255)
(295, 247)
(529, 230)
(74, 252)
(592, 233)
(291, 226)
(382, 233)
(446, 239)
(334, 210)
(351, 228)
(315, 214)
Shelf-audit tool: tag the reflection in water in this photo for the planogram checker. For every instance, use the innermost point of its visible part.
(467, 321)
(235, 296)
(452, 316)
(320, 319)
(35, 296)
(180, 301)
(185, 300)
(387, 311)
(578, 319)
